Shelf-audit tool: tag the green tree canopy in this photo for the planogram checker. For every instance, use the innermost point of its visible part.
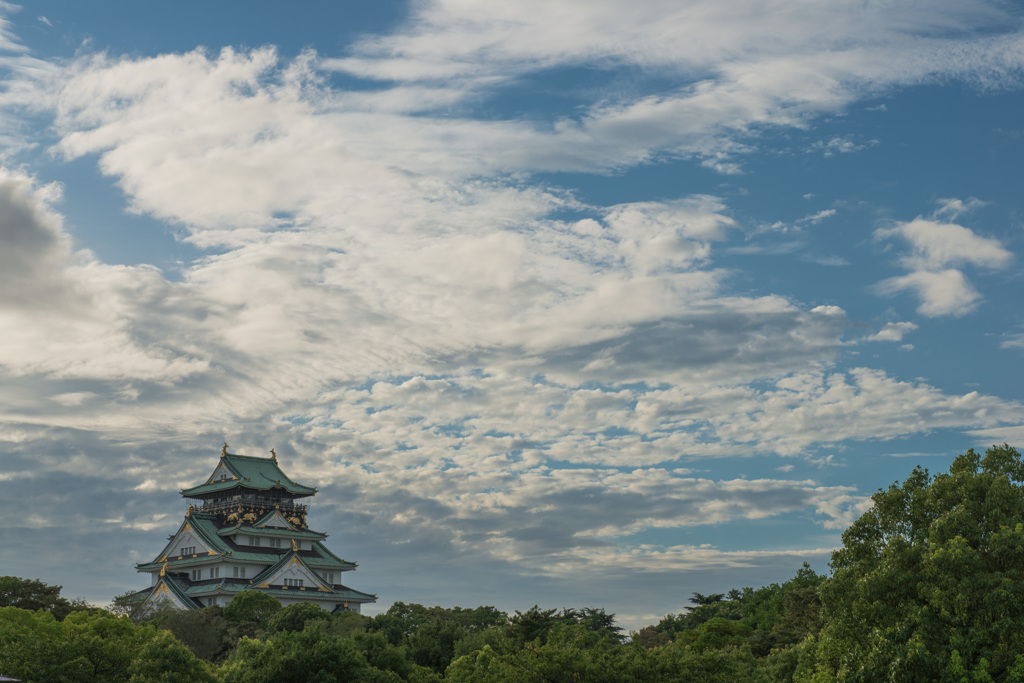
(87, 647)
(33, 594)
(252, 607)
(295, 616)
(203, 631)
(309, 656)
(165, 660)
(929, 583)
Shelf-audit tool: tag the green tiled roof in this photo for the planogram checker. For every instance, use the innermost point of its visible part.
(205, 527)
(188, 594)
(261, 474)
(327, 558)
(265, 531)
(344, 592)
(179, 591)
(273, 513)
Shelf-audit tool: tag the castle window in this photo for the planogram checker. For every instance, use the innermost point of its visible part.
(254, 540)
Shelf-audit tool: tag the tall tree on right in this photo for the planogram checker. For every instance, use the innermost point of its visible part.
(929, 583)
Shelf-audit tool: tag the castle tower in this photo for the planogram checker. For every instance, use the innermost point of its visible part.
(245, 530)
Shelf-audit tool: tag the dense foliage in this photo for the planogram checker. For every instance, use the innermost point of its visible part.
(928, 586)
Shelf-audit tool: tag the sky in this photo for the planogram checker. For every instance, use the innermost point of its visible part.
(569, 303)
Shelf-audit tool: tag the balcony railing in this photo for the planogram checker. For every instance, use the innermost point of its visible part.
(257, 502)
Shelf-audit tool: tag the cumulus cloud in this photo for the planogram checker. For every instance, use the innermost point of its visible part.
(937, 245)
(934, 247)
(36, 248)
(946, 292)
(893, 332)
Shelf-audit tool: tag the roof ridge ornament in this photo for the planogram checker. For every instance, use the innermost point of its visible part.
(295, 546)
(224, 451)
(273, 455)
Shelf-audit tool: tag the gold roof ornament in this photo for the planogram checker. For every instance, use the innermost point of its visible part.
(163, 568)
(224, 451)
(273, 455)
(295, 546)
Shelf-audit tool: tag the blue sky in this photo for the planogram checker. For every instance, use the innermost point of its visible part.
(569, 303)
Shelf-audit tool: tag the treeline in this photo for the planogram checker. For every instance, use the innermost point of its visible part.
(928, 586)
(255, 640)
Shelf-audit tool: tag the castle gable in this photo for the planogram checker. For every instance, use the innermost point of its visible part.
(166, 594)
(274, 520)
(291, 572)
(222, 473)
(187, 542)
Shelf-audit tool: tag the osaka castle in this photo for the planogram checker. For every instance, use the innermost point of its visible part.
(245, 530)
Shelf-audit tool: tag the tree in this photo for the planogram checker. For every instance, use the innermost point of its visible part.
(33, 648)
(87, 647)
(929, 583)
(127, 604)
(533, 624)
(434, 636)
(309, 656)
(401, 621)
(567, 652)
(164, 660)
(347, 623)
(707, 607)
(252, 607)
(294, 617)
(784, 614)
(203, 631)
(649, 637)
(33, 594)
(700, 599)
(594, 619)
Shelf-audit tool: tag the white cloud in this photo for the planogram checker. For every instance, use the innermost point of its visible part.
(937, 245)
(453, 37)
(934, 247)
(843, 145)
(36, 248)
(65, 315)
(1013, 341)
(816, 218)
(946, 292)
(892, 332)
(954, 208)
(819, 58)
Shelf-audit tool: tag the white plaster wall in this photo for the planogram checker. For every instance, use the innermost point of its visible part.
(187, 540)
